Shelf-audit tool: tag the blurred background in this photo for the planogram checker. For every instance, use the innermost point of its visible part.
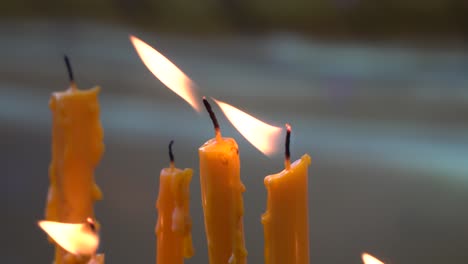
(376, 92)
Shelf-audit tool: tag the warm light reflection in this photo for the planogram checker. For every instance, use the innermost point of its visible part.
(369, 259)
(167, 72)
(260, 134)
(78, 239)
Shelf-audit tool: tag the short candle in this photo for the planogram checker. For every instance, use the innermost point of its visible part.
(286, 220)
(174, 226)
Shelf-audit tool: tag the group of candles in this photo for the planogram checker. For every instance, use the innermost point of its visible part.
(77, 148)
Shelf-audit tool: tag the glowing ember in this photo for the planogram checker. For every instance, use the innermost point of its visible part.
(369, 259)
(167, 72)
(260, 134)
(78, 239)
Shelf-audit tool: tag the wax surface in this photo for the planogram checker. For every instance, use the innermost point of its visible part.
(222, 201)
(98, 259)
(286, 220)
(77, 148)
(174, 227)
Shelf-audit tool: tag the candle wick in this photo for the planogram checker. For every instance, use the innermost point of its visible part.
(69, 68)
(213, 118)
(287, 153)
(70, 72)
(171, 154)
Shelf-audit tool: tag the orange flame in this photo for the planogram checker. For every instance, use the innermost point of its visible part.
(369, 259)
(260, 134)
(167, 72)
(78, 239)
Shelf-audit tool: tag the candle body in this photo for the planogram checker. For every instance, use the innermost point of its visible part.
(222, 202)
(77, 148)
(97, 259)
(286, 226)
(174, 226)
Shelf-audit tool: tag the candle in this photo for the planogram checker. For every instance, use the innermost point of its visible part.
(173, 229)
(222, 189)
(285, 221)
(76, 150)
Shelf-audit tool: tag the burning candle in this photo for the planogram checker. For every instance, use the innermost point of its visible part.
(76, 150)
(173, 229)
(285, 221)
(222, 189)
(263, 136)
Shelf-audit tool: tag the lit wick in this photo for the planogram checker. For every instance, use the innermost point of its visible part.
(287, 153)
(213, 119)
(171, 155)
(70, 72)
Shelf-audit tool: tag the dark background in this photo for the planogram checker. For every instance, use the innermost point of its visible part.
(376, 92)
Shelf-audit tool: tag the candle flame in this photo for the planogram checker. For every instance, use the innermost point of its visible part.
(260, 134)
(78, 239)
(167, 72)
(369, 259)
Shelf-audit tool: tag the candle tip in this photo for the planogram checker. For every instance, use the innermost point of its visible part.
(171, 154)
(212, 115)
(287, 153)
(69, 68)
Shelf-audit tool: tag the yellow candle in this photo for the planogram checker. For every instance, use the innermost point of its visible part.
(77, 148)
(222, 189)
(285, 221)
(174, 227)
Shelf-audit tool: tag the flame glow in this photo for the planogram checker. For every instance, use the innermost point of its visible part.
(260, 134)
(77, 239)
(369, 259)
(167, 72)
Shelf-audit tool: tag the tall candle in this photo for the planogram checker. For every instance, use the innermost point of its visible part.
(286, 226)
(222, 189)
(77, 148)
(173, 230)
